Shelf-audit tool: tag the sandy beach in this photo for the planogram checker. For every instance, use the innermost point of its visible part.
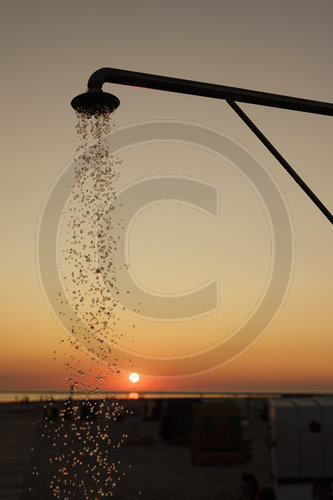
(148, 466)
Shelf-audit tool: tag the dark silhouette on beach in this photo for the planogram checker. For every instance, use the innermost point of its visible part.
(248, 487)
(322, 489)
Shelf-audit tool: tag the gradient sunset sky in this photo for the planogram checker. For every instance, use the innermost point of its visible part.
(48, 51)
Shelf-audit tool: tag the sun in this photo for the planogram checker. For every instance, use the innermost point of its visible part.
(134, 377)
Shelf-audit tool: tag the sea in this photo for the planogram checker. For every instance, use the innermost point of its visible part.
(26, 396)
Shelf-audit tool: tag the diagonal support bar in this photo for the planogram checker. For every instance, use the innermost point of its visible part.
(230, 94)
(280, 159)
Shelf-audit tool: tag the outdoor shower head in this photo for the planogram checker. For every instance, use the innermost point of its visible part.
(95, 102)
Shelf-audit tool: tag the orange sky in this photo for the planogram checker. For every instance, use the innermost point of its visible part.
(48, 53)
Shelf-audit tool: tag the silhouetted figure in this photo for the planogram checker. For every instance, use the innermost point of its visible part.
(248, 487)
(266, 493)
(89, 410)
(322, 489)
(68, 413)
(54, 413)
(51, 413)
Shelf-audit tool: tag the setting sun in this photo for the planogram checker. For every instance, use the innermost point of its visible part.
(134, 377)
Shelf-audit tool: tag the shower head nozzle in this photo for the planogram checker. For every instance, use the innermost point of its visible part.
(95, 102)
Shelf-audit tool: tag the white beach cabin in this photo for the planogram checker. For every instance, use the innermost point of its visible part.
(301, 444)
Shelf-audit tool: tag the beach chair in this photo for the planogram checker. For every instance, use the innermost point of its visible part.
(217, 434)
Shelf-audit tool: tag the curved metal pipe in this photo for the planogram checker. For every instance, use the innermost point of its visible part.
(230, 94)
(145, 80)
